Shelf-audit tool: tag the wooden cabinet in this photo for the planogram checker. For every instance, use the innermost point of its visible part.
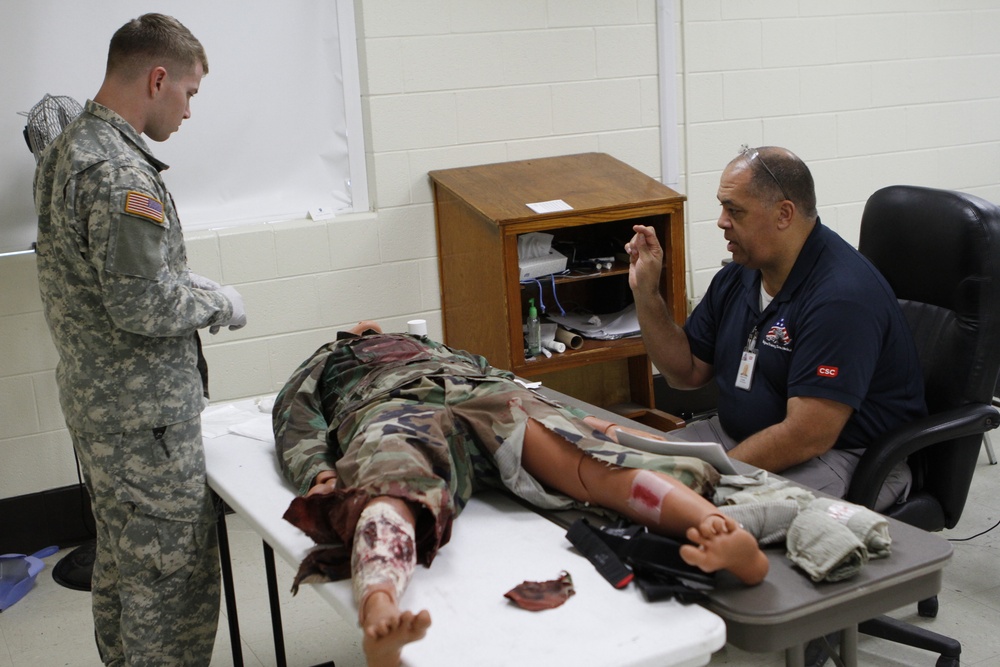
(482, 210)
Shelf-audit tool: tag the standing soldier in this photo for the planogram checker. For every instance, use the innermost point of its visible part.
(124, 311)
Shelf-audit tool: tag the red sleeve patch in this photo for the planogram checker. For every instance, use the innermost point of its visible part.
(827, 371)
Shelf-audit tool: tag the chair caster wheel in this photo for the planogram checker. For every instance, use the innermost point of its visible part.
(928, 608)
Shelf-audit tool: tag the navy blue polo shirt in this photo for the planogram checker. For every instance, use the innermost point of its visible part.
(835, 331)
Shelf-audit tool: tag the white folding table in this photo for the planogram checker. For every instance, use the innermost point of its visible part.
(496, 544)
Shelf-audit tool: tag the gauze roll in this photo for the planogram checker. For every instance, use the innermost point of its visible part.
(825, 548)
(870, 527)
(554, 345)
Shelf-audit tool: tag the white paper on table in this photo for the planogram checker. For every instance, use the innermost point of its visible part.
(710, 452)
(250, 417)
(550, 206)
(216, 419)
(258, 428)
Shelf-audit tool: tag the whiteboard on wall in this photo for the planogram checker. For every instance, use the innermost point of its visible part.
(268, 137)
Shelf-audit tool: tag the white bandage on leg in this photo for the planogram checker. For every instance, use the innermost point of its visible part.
(384, 555)
(647, 494)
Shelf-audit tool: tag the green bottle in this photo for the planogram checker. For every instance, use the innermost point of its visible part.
(534, 330)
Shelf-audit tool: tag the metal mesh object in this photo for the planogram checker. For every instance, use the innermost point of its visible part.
(47, 119)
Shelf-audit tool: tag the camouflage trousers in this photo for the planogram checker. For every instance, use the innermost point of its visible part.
(155, 585)
(436, 441)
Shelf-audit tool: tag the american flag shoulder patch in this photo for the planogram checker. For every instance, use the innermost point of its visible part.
(137, 203)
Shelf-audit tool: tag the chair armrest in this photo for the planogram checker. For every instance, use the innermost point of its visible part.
(882, 455)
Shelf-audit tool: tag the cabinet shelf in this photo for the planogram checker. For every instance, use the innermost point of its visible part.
(593, 351)
(575, 275)
(481, 211)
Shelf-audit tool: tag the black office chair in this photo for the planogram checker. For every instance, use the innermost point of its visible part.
(940, 252)
(987, 442)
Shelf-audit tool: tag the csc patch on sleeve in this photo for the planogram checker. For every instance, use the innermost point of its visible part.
(144, 206)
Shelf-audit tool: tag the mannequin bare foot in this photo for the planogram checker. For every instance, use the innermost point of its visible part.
(386, 630)
(735, 550)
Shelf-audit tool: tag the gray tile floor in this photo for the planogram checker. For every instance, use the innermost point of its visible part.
(51, 626)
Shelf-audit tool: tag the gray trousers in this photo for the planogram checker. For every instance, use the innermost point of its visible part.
(155, 586)
(829, 473)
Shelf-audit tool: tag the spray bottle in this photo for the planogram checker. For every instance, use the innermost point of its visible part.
(534, 330)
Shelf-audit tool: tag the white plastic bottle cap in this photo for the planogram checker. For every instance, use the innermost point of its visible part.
(417, 327)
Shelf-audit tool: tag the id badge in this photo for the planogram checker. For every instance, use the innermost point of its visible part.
(745, 377)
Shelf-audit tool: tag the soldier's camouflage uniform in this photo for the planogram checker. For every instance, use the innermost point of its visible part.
(408, 417)
(112, 269)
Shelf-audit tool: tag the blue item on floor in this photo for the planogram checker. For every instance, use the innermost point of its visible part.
(17, 574)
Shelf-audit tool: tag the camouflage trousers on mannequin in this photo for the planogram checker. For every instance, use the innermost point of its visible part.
(437, 440)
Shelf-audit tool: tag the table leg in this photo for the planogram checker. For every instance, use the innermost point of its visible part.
(795, 656)
(227, 582)
(272, 595)
(849, 646)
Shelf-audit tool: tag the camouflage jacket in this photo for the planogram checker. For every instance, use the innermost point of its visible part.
(316, 407)
(112, 270)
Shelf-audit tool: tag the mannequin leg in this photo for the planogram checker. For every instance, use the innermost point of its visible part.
(382, 563)
(555, 462)
(652, 499)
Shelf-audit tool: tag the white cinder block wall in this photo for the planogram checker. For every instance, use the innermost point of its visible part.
(868, 92)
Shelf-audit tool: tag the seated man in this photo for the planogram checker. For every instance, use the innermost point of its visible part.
(805, 340)
(388, 435)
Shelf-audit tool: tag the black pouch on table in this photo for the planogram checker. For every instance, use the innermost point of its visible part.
(654, 560)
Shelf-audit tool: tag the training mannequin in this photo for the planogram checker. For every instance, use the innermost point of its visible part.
(387, 435)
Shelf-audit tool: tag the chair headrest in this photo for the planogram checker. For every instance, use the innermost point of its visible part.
(927, 241)
(942, 248)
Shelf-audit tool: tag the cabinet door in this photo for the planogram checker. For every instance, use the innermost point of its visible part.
(474, 290)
